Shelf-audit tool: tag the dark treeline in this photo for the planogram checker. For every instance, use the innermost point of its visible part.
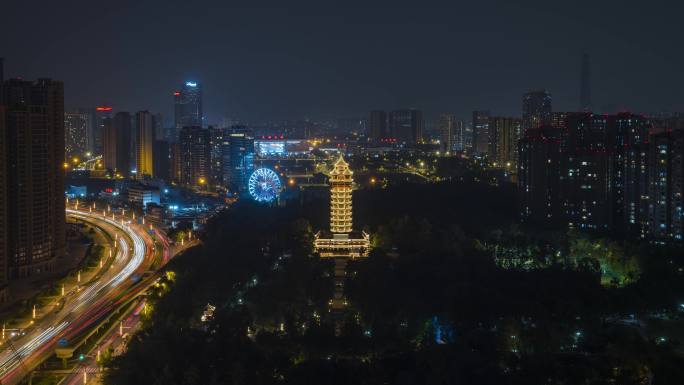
(429, 305)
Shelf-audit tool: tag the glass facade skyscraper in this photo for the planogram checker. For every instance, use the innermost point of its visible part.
(237, 158)
(188, 106)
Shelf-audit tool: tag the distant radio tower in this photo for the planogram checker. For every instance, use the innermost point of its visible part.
(585, 86)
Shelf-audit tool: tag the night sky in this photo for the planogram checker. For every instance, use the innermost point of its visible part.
(323, 59)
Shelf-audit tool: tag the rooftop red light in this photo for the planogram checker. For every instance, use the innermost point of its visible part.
(103, 108)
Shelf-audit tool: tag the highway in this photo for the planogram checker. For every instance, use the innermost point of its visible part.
(85, 307)
(115, 340)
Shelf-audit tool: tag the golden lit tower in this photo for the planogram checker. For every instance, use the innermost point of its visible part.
(341, 197)
(341, 241)
(145, 135)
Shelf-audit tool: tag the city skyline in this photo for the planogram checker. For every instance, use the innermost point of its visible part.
(341, 193)
(265, 64)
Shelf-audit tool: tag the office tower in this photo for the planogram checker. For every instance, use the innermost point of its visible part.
(504, 134)
(117, 144)
(480, 135)
(188, 106)
(195, 156)
(407, 125)
(536, 109)
(34, 182)
(585, 85)
(447, 132)
(161, 160)
(144, 128)
(237, 155)
(96, 135)
(538, 176)
(76, 130)
(377, 126)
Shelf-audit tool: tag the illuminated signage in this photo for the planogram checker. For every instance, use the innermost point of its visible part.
(270, 147)
(176, 93)
(191, 84)
(103, 108)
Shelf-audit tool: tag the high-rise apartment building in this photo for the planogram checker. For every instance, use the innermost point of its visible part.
(4, 218)
(666, 189)
(158, 126)
(480, 134)
(468, 137)
(188, 106)
(585, 171)
(97, 132)
(585, 85)
(161, 160)
(538, 176)
(217, 134)
(504, 134)
(458, 136)
(406, 126)
(536, 109)
(195, 156)
(612, 175)
(447, 132)
(144, 127)
(377, 126)
(117, 144)
(628, 136)
(108, 145)
(33, 155)
(77, 126)
(175, 162)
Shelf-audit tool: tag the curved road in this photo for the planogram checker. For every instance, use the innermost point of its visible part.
(84, 307)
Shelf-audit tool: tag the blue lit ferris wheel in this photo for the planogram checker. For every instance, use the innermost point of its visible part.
(264, 185)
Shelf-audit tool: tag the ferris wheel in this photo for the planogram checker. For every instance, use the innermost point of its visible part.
(264, 185)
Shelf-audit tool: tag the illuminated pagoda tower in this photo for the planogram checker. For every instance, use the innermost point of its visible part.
(341, 241)
(341, 184)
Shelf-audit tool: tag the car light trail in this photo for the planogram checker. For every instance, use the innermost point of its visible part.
(78, 314)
